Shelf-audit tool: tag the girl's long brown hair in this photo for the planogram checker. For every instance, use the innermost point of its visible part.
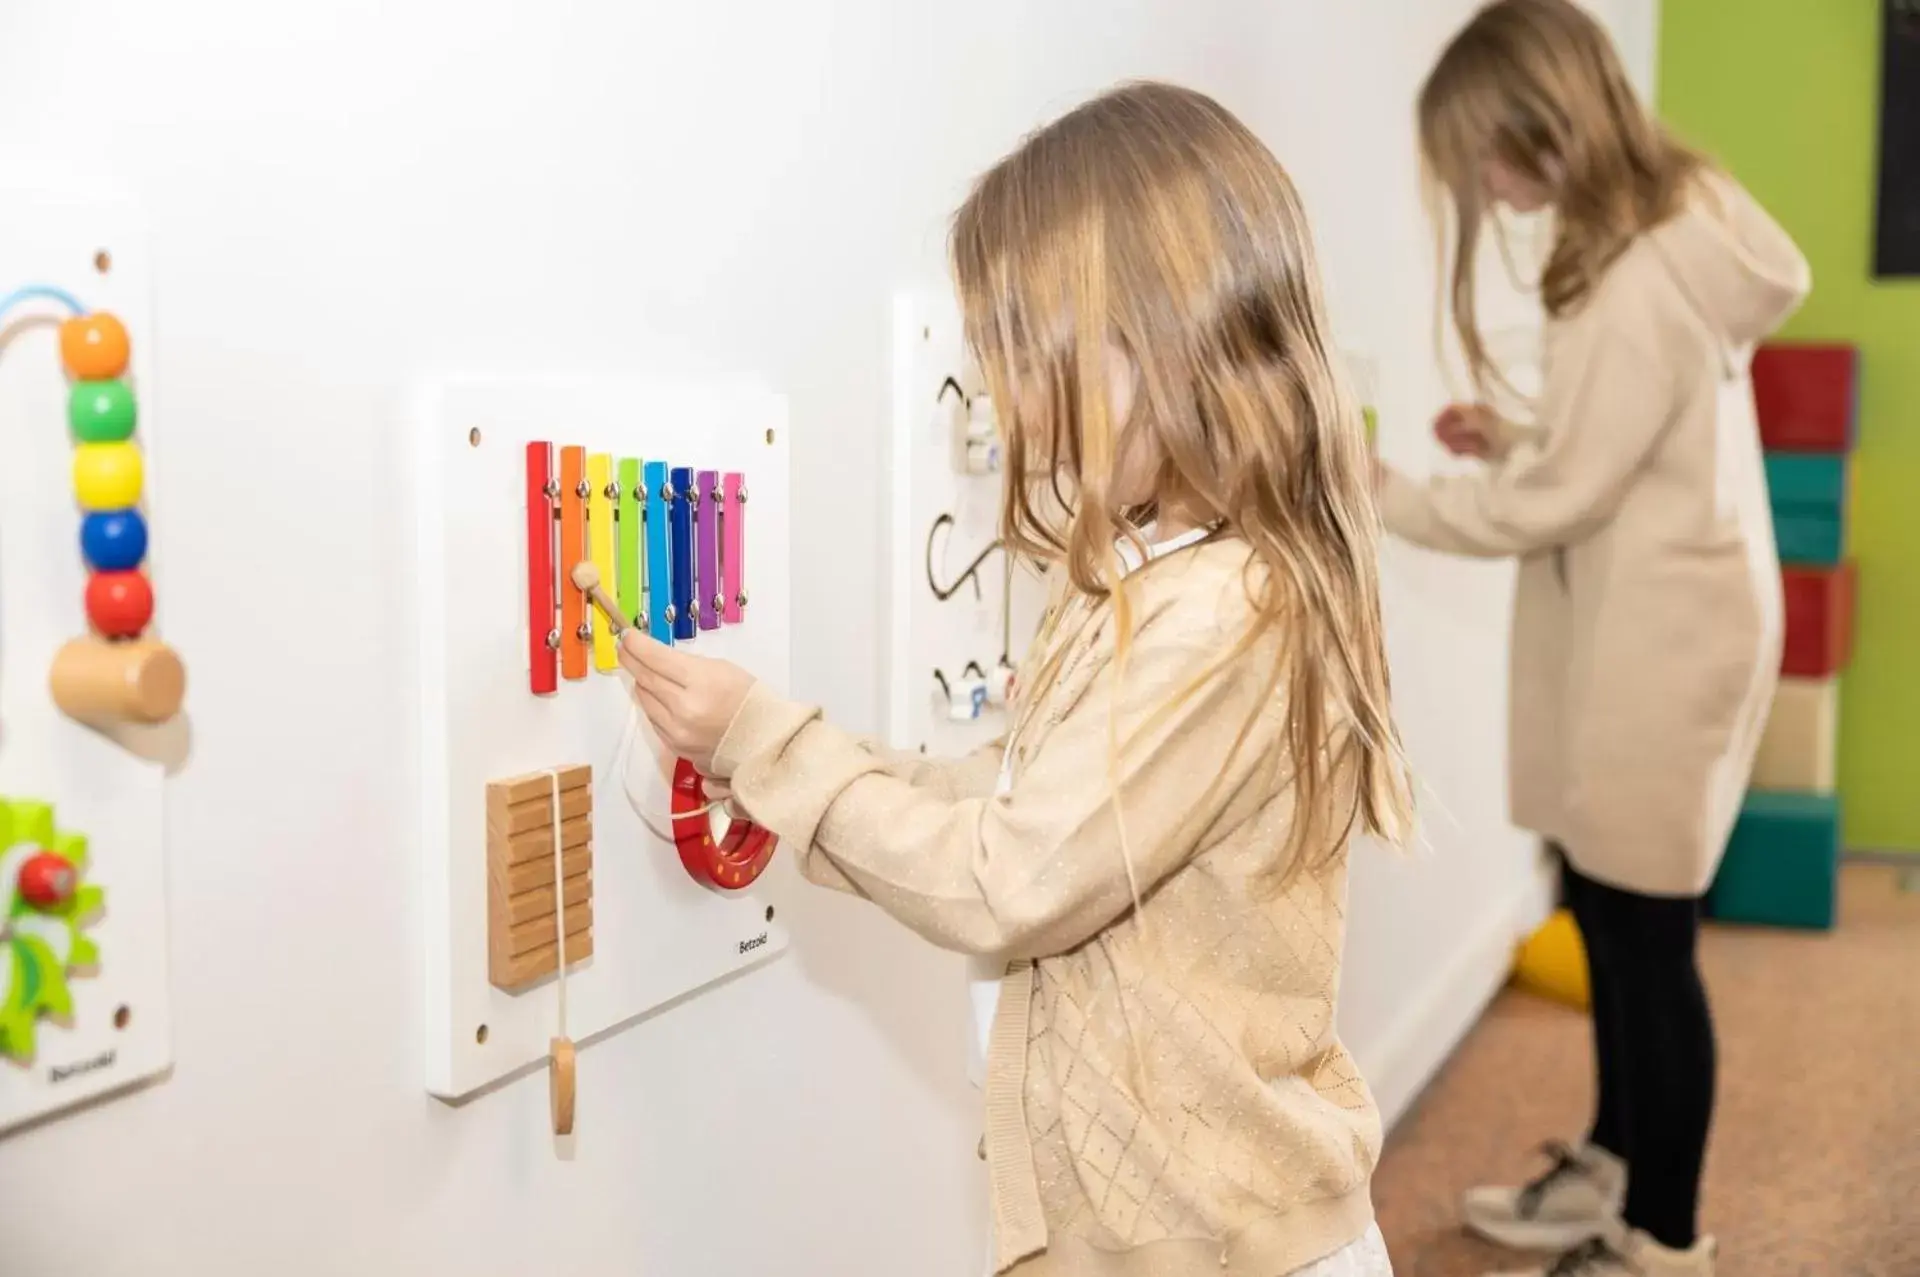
(1150, 229)
(1538, 86)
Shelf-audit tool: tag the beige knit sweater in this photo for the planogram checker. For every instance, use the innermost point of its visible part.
(1165, 1094)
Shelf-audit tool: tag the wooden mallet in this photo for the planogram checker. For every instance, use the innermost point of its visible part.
(586, 579)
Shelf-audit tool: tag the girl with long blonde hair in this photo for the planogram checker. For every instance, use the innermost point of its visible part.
(1648, 617)
(1156, 853)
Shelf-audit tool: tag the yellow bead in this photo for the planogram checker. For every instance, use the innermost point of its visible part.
(106, 476)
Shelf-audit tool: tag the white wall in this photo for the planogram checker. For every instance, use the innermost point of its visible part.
(348, 198)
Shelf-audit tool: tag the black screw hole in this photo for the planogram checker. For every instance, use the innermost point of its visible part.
(480, 1035)
(769, 913)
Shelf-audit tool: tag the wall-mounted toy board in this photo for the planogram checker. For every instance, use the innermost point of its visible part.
(517, 481)
(936, 397)
(83, 982)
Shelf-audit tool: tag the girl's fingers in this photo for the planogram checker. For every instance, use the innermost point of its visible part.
(656, 710)
(641, 652)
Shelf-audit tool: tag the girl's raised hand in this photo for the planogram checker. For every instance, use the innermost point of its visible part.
(690, 700)
(1467, 430)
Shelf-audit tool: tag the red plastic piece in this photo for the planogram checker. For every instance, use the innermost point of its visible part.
(542, 661)
(1805, 395)
(47, 881)
(573, 548)
(119, 604)
(729, 863)
(1819, 620)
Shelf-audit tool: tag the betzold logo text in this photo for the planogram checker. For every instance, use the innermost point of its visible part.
(758, 942)
(61, 1072)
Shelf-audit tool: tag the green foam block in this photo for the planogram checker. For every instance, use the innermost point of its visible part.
(1782, 864)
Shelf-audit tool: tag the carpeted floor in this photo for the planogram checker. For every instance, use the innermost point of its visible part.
(1814, 1168)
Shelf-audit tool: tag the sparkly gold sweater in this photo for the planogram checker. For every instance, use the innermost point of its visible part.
(1165, 1092)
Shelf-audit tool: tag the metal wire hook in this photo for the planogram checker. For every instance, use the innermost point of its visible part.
(969, 573)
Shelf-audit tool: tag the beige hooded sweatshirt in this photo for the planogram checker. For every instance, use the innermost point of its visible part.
(1648, 617)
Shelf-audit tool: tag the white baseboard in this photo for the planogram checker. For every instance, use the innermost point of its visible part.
(1439, 1016)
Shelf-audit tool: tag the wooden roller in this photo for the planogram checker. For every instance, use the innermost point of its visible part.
(98, 682)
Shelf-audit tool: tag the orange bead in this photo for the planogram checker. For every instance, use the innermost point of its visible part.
(94, 347)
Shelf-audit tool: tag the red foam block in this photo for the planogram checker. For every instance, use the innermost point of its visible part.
(1819, 620)
(1805, 394)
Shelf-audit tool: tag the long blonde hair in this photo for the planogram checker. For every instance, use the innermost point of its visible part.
(1151, 222)
(1538, 86)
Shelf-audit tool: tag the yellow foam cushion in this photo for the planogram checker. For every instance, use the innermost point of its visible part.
(1552, 962)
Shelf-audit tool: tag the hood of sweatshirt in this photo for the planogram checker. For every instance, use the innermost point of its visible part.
(1739, 270)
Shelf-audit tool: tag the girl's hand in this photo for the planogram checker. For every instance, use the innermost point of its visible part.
(690, 700)
(1468, 430)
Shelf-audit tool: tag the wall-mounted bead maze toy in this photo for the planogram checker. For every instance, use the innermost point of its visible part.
(91, 696)
(115, 673)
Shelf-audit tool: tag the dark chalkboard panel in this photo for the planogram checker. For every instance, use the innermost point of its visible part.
(1897, 248)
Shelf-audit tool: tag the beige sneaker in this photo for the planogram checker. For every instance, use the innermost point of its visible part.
(1635, 1255)
(1575, 1200)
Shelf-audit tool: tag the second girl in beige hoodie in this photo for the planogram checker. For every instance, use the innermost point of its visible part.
(1647, 620)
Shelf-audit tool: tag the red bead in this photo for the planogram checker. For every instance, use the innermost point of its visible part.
(47, 881)
(119, 604)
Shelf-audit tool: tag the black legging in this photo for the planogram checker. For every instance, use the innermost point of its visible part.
(1653, 1047)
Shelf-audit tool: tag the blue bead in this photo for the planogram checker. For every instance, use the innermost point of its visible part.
(114, 540)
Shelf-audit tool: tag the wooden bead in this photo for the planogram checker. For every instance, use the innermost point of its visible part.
(95, 681)
(113, 540)
(101, 411)
(94, 347)
(119, 604)
(107, 476)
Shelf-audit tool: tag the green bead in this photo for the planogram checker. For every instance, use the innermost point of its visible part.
(101, 411)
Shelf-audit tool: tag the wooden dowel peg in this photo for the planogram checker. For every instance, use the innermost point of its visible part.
(97, 682)
(560, 1084)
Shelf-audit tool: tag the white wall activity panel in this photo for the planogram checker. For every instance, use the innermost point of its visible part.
(994, 615)
(83, 987)
(657, 934)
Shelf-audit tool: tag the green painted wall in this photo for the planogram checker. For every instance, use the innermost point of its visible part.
(1785, 94)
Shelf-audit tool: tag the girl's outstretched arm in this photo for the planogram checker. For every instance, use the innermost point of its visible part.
(1040, 869)
(971, 775)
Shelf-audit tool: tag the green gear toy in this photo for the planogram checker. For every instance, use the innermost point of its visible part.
(39, 943)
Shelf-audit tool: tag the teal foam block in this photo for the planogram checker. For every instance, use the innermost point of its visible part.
(1811, 481)
(1782, 864)
(1808, 491)
(1809, 540)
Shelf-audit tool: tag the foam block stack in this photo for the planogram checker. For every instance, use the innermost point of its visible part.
(1784, 855)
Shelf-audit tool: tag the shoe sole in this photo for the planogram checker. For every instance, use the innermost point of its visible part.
(1548, 1236)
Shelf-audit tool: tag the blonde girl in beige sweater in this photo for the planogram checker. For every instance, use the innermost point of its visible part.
(1647, 619)
(1158, 849)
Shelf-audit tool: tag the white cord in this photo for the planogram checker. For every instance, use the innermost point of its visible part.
(623, 764)
(559, 907)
